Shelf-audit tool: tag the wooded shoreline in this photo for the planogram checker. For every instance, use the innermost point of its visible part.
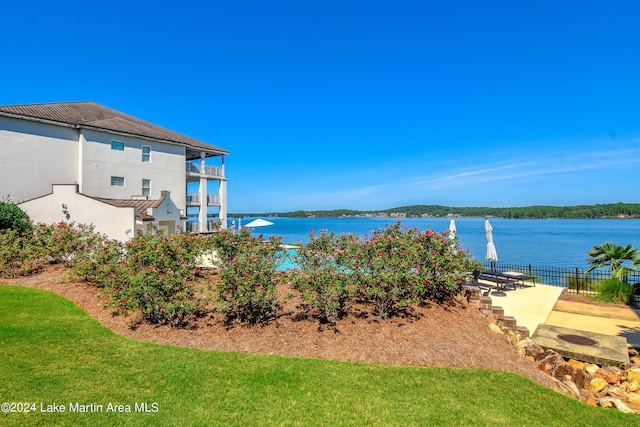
(611, 210)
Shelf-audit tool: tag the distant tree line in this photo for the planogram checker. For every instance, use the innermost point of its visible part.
(610, 210)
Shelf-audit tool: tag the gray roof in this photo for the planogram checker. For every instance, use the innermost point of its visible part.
(95, 116)
(140, 206)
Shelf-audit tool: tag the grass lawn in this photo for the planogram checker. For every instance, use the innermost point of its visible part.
(52, 353)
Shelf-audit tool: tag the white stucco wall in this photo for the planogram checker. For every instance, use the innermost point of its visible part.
(167, 210)
(107, 219)
(99, 163)
(34, 156)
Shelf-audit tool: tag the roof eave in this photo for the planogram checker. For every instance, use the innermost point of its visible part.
(215, 152)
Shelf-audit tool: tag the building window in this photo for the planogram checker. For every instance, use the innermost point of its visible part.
(146, 154)
(117, 145)
(146, 187)
(117, 181)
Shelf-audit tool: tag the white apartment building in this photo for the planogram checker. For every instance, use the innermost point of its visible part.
(80, 160)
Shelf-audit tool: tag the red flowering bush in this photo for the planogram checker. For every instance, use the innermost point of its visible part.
(321, 280)
(247, 288)
(68, 242)
(63, 242)
(101, 263)
(156, 276)
(398, 267)
(393, 268)
(20, 255)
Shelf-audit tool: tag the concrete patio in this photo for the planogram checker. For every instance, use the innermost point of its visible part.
(536, 305)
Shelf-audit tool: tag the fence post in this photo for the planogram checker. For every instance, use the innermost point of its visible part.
(577, 281)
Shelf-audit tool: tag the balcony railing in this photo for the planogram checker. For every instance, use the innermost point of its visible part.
(193, 199)
(208, 171)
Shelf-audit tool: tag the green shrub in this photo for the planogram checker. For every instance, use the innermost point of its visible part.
(229, 244)
(392, 269)
(614, 291)
(14, 218)
(580, 282)
(161, 297)
(398, 267)
(68, 243)
(247, 288)
(320, 280)
(19, 255)
(156, 277)
(100, 264)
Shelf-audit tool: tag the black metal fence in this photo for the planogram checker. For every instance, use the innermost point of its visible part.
(576, 280)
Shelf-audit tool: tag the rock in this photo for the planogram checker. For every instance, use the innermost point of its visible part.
(495, 328)
(548, 360)
(577, 364)
(587, 393)
(545, 354)
(633, 397)
(606, 403)
(633, 374)
(615, 370)
(591, 368)
(633, 406)
(598, 384)
(631, 386)
(571, 386)
(617, 403)
(568, 387)
(577, 375)
(607, 375)
(528, 348)
(513, 337)
(617, 392)
(591, 401)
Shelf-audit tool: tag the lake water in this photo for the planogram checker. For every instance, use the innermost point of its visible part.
(536, 242)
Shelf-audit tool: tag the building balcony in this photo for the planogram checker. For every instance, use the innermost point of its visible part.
(193, 199)
(210, 172)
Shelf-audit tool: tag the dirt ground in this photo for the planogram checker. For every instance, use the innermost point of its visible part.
(437, 336)
(566, 296)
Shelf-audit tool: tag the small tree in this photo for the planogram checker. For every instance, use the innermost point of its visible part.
(14, 218)
(613, 256)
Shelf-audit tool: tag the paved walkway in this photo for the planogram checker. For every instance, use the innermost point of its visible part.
(623, 322)
(532, 306)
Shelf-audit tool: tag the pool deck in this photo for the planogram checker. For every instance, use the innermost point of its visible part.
(536, 305)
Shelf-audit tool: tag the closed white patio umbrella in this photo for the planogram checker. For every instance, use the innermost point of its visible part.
(491, 255)
(452, 229)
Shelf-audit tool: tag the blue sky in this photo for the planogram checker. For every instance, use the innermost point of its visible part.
(359, 104)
